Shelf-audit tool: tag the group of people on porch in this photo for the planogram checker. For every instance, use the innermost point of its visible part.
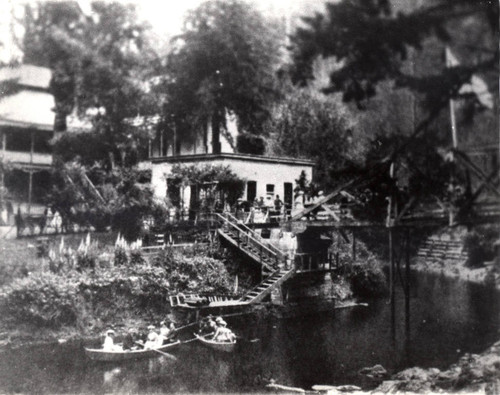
(261, 210)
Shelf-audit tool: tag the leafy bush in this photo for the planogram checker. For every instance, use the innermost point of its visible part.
(136, 258)
(367, 280)
(79, 291)
(44, 299)
(479, 245)
(194, 273)
(121, 256)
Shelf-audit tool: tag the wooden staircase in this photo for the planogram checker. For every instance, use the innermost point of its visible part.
(265, 288)
(434, 249)
(273, 262)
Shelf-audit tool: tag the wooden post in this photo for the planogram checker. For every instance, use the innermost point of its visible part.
(174, 147)
(407, 285)
(2, 174)
(161, 142)
(392, 279)
(353, 246)
(30, 185)
(391, 267)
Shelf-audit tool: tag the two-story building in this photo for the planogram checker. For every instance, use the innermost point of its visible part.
(26, 127)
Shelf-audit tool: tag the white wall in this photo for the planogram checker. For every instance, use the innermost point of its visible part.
(249, 169)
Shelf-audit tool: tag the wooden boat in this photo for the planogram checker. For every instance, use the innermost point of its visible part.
(97, 354)
(219, 346)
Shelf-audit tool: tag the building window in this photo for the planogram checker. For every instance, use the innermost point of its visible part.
(270, 189)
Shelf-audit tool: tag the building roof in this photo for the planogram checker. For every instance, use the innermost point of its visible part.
(32, 106)
(28, 109)
(242, 157)
(27, 75)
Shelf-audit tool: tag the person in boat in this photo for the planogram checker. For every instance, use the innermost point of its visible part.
(167, 331)
(152, 338)
(207, 326)
(129, 341)
(223, 334)
(109, 342)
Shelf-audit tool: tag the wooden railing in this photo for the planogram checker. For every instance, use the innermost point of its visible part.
(308, 262)
(234, 220)
(245, 240)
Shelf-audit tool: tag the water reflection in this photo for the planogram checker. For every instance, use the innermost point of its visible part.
(447, 319)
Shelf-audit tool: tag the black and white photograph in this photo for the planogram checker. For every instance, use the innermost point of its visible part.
(249, 197)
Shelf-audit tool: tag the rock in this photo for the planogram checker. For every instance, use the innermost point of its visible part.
(387, 386)
(348, 388)
(434, 372)
(377, 371)
(413, 374)
(447, 378)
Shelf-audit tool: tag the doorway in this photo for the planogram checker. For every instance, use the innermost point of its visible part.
(251, 191)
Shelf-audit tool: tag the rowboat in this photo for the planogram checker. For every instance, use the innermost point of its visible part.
(219, 346)
(97, 354)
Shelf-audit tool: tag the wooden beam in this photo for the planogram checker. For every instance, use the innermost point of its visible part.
(325, 199)
(344, 235)
(330, 212)
(406, 208)
(476, 170)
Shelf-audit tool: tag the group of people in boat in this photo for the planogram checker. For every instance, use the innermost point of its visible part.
(216, 329)
(133, 340)
(210, 328)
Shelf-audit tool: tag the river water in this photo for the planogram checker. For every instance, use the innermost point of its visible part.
(448, 318)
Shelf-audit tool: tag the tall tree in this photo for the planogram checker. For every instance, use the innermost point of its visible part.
(307, 124)
(99, 65)
(224, 62)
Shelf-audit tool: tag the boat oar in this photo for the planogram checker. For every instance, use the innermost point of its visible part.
(254, 340)
(189, 341)
(160, 352)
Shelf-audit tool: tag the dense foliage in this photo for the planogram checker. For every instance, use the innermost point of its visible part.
(120, 198)
(372, 39)
(67, 291)
(306, 124)
(213, 179)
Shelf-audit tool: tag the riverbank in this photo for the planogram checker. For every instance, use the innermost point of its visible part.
(487, 276)
(67, 292)
(473, 373)
(477, 263)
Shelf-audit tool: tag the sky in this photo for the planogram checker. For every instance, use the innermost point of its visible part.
(165, 16)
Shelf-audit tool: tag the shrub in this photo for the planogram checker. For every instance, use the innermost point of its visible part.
(367, 280)
(479, 245)
(121, 256)
(187, 272)
(136, 258)
(44, 300)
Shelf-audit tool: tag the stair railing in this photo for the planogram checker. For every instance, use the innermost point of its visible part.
(259, 246)
(232, 219)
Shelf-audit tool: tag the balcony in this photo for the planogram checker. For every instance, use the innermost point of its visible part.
(24, 158)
